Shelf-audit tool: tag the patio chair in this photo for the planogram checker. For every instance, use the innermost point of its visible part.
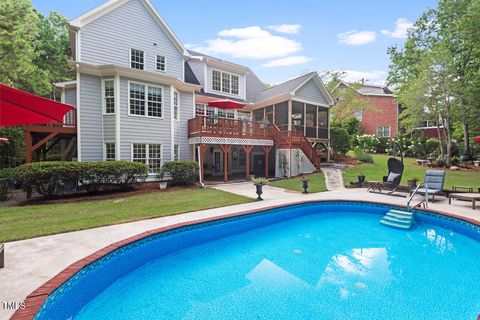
(391, 181)
(433, 183)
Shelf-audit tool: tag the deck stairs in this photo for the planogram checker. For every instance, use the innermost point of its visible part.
(398, 219)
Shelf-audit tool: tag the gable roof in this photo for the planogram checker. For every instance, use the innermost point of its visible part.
(90, 16)
(369, 89)
(189, 76)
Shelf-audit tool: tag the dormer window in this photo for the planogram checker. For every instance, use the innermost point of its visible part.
(161, 63)
(225, 82)
(137, 59)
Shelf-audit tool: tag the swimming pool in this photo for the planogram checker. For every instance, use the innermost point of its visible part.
(322, 260)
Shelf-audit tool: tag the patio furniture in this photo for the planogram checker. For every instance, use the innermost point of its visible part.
(2, 255)
(433, 183)
(464, 196)
(374, 185)
(390, 182)
(423, 162)
(460, 188)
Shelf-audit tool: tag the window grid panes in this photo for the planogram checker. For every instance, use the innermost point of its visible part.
(175, 152)
(137, 99)
(139, 153)
(383, 132)
(234, 84)
(136, 59)
(216, 81)
(109, 96)
(154, 103)
(175, 105)
(226, 82)
(110, 151)
(230, 114)
(161, 63)
(154, 157)
(199, 109)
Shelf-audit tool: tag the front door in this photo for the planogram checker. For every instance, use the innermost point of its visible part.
(259, 165)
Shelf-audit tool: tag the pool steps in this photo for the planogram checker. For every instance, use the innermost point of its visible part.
(398, 219)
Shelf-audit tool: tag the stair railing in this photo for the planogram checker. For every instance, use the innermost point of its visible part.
(424, 201)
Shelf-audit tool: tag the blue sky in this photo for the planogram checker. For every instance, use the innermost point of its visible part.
(283, 38)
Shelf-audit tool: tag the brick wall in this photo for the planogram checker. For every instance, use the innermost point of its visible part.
(384, 114)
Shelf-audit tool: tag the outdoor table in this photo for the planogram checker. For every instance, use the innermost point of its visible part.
(464, 196)
(374, 185)
(459, 188)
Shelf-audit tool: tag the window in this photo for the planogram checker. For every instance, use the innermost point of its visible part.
(175, 152)
(225, 82)
(150, 154)
(383, 132)
(230, 114)
(221, 113)
(137, 59)
(161, 63)
(109, 151)
(145, 100)
(109, 96)
(358, 114)
(242, 157)
(175, 105)
(199, 109)
(210, 111)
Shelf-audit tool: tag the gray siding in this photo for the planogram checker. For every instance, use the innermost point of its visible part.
(309, 91)
(144, 129)
(71, 96)
(186, 113)
(241, 85)
(108, 39)
(109, 128)
(91, 140)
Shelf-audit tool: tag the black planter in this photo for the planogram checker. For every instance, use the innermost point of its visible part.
(465, 157)
(259, 191)
(305, 186)
(361, 179)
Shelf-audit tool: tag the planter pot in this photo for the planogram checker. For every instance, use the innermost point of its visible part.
(259, 191)
(412, 183)
(361, 179)
(163, 185)
(305, 186)
(465, 157)
(476, 163)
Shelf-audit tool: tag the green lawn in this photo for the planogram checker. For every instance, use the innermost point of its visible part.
(375, 171)
(38, 220)
(316, 183)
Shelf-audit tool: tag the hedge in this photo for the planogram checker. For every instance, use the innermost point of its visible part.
(48, 178)
(182, 172)
(6, 182)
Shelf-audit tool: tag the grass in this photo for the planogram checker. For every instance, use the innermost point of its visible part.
(316, 183)
(376, 170)
(39, 220)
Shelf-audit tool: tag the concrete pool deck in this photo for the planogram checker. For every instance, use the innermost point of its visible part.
(30, 263)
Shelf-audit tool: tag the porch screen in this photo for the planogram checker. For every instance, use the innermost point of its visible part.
(311, 121)
(259, 115)
(281, 115)
(297, 116)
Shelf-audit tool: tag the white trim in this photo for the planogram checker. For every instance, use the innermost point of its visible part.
(130, 59)
(62, 96)
(368, 94)
(79, 132)
(79, 46)
(147, 147)
(221, 92)
(117, 118)
(178, 105)
(165, 63)
(145, 105)
(310, 102)
(172, 126)
(233, 141)
(104, 104)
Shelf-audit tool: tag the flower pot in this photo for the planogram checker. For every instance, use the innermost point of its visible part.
(163, 185)
(465, 157)
(361, 179)
(476, 163)
(305, 185)
(411, 183)
(259, 191)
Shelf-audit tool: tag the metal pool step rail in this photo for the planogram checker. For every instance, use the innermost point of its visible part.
(398, 219)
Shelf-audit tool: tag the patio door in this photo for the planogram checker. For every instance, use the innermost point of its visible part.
(217, 162)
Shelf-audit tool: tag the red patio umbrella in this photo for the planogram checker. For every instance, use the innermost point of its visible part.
(226, 104)
(18, 107)
(477, 139)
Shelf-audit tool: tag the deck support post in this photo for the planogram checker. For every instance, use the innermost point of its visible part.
(28, 146)
(225, 148)
(267, 150)
(201, 158)
(247, 150)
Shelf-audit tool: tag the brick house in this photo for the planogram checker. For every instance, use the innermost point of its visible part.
(383, 119)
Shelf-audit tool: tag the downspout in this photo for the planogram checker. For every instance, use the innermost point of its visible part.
(200, 168)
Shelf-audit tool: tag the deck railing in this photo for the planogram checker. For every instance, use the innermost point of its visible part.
(206, 126)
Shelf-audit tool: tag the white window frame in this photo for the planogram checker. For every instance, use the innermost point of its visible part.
(104, 102)
(145, 105)
(176, 106)
(230, 92)
(130, 59)
(203, 107)
(147, 153)
(105, 151)
(383, 132)
(164, 63)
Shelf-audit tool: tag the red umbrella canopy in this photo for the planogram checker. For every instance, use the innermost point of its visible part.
(226, 104)
(477, 139)
(18, 107)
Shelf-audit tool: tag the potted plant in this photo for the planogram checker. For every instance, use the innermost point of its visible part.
(361, 178)
(412, 183)
(259, 183)
(304, 184)
(160, 176)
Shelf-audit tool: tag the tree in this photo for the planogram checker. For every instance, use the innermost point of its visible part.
(339, 140)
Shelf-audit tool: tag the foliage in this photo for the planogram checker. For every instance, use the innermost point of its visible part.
(339, 140)
(261, 181)
(283, 163)
(6, 181)
(48, 178)
(182, 172)
(12, 152)
(352, 125)
(367, 142)
(362, 155)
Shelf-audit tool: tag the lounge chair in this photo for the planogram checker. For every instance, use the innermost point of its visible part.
(391, 182)
(433, 183)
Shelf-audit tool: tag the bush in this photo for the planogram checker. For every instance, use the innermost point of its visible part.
(182, 172)
(362, 155)
(352, 126)
(49, 178)
(6, 182)
(339, 140)
(367, 142)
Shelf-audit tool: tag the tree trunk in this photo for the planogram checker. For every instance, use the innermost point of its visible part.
(440, 139)
(466, 134)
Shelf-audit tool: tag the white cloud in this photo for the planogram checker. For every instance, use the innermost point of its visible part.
(286, 28)
(288, 61)
(372, 77)
(356, 38)
(251, 43)
(401, 27)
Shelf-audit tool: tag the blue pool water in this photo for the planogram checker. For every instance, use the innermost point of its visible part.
(322, 261)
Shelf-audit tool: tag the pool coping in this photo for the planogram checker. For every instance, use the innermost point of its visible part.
(37, 298)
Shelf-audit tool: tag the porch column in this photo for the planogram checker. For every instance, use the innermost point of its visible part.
(247, 150)
(225, 148)
(28, 146)
(201, 158)
(267, 150)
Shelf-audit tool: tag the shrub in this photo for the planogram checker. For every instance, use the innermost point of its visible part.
(6, 181)
(339, 140)
(352, 126)
(367, 142)
(49, 178)
(182, 172)
(362, 155)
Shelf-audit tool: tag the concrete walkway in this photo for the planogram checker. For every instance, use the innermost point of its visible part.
(333, 178)
(30, 263)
